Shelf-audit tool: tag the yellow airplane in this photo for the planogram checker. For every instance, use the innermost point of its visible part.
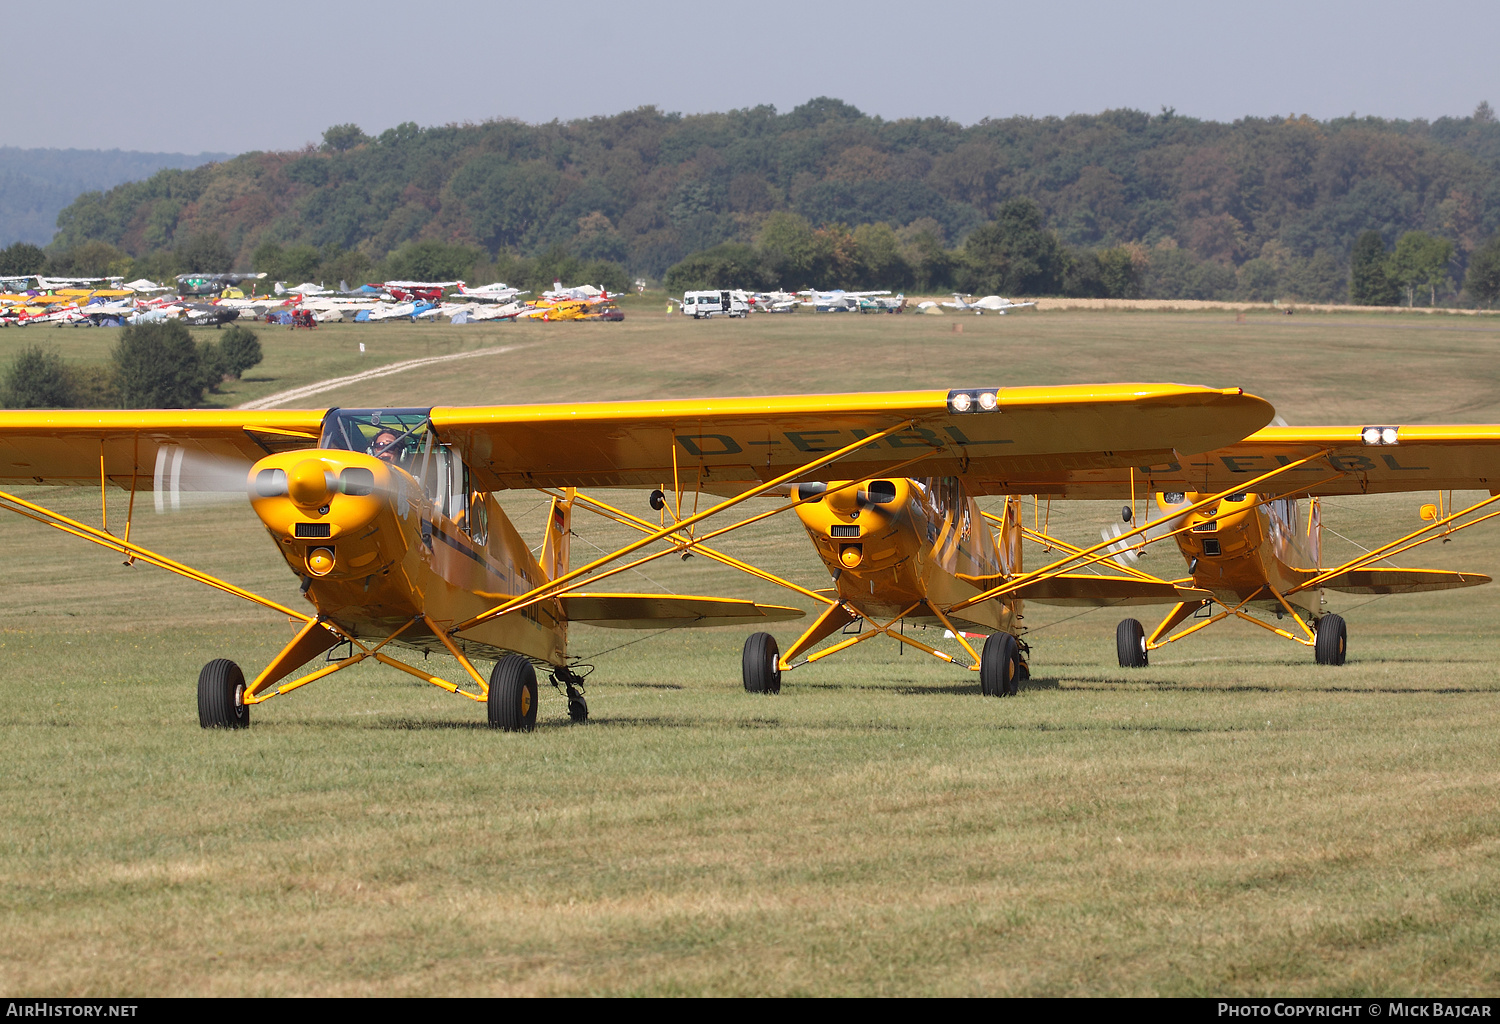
(920, 550)
(1247, 520)
(390, 520)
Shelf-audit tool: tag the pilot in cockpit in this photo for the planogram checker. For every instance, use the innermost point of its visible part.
(387, 447)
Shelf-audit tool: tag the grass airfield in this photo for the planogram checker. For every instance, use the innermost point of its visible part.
(1233, 819)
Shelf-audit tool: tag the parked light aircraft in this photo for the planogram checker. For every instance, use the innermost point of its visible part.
(211, 284)
(54, 283)
(988, 304)
(389, 516)
(836, 301)
(580, 292)
(498, 292)
(775, 302)
(425, 291)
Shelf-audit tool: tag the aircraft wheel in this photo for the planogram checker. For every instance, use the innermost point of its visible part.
(759, 664)
(512, 701)
(1130, 644)
(221, 692)
(1000, 666)
(1331, 646)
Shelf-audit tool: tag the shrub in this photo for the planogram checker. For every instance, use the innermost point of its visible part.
(37, 379)
(157, 366)
(239, 349)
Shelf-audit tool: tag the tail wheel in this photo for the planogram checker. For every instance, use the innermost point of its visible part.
(1000, 666)
(512, 700)
(221, 696)
(1130, 644)
(1332, 644)
(761, 664)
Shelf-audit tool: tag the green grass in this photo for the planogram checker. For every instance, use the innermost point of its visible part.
(1232, 819)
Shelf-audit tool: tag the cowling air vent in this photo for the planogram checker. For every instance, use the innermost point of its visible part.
(313, 530)
(844, 531)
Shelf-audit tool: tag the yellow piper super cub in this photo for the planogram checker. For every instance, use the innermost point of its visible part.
(919, 550)
(390, 516)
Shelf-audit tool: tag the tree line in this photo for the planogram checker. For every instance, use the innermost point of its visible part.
(1260, 207)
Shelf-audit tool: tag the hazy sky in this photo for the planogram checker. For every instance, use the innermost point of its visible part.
(220, 76)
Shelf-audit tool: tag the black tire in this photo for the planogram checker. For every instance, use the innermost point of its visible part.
(1130, 644)
(221, 689)
(512, 700)
(1332, 644)
(1000, 666)
(760, 665)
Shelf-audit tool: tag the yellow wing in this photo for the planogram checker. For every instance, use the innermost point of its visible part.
(725, 445)
(1366, 459)
(662, 611)
(45, 446)
(719, 445)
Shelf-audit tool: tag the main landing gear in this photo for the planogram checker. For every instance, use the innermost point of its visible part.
(221, 696)
(1000, 666)
(512, 698)
(760, 664)
(1332, 643)
(511, 703)
(1130, 644)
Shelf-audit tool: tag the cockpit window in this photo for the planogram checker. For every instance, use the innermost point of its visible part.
(392, 435)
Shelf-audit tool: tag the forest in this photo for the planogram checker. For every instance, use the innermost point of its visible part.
(1119, 203)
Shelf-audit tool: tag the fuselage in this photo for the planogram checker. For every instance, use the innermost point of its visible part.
(381, 542)
(898, 547)
(1236, 547)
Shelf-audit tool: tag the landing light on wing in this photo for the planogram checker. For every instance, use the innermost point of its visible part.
(1380, 435)
(967, 399)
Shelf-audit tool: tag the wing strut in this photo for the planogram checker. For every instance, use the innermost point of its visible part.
(554, 588)
(1406, 543)
(1099, 552)
(58, 521)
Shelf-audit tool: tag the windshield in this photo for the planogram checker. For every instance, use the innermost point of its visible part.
(394, 435)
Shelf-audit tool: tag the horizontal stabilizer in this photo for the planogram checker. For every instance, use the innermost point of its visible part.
(664, 611)
(1402, 581)
(1087, 590)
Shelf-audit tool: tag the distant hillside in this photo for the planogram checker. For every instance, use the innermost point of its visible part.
(1196, 201)
(35, 184)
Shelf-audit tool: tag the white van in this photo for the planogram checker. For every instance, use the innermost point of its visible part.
(728, 303)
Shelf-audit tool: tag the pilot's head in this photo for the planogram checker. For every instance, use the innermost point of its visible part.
(385, 446)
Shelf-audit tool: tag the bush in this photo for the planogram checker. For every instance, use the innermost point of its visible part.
(157, 366)
(239, 350)
(37, 379)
